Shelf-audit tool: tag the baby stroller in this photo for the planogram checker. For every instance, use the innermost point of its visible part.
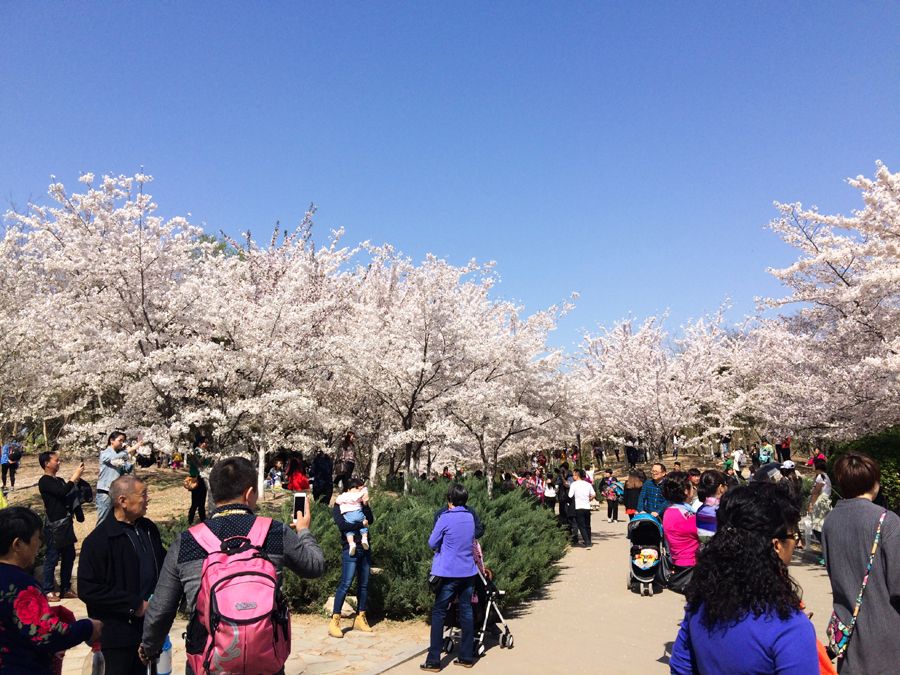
(487, 595)
(647, 548)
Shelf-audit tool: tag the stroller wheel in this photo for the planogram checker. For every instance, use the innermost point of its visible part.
(650, 590)
(448, 645)
(509, 641)
(480, 651)
(503, 640)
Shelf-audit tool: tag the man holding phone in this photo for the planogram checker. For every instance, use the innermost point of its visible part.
(59, 531)
(115, 461)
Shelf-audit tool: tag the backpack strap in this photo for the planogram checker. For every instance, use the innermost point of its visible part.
(205, 537)
(259, 531)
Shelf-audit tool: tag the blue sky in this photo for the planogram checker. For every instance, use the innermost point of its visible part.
(627, 151)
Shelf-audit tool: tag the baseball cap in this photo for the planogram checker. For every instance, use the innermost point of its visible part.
(788, 465)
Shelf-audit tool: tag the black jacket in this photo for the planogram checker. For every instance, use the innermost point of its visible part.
(109, 579)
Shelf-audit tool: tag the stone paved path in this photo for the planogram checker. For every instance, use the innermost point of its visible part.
(313, 652)
(589, 616)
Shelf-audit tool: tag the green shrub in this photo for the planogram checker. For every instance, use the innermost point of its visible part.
(885, 447)
(520, 544)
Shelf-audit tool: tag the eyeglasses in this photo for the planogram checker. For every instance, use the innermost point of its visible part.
(795, 536)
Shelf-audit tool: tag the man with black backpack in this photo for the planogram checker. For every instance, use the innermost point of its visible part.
(229, 569)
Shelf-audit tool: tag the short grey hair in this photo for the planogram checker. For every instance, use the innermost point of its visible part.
(122, 487)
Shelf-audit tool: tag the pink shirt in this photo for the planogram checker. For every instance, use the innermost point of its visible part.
(680, 527)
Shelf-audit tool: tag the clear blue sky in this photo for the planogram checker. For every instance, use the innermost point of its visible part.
(627, 151)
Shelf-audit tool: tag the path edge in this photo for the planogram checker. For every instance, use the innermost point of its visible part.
(403, 657)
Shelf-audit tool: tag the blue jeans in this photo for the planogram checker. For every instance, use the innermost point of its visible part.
(103, 504)
(66, 558)
(356, 517)
(353, 566)
(461, 589)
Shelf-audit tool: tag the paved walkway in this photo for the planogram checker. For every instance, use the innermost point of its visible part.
(588, 615)
(313, 652)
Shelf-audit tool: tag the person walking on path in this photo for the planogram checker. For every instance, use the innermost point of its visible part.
(356, 561)
(10, 456)
(115, 461)
(679, 521)
(32, 634)
(853, 534)
(582, 494)
(819, 504)
(632, 493)
(453, 571)
(613, 490)
(651, 499)
(59, 530)
(197, 461)
(232, 483)
(117, 573)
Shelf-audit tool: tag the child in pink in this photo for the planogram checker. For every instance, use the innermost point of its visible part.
(351, 504)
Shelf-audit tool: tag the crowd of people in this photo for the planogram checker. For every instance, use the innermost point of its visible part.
(729, 534)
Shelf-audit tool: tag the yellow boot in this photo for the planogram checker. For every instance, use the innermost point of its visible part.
(334, 628)
(360, 623)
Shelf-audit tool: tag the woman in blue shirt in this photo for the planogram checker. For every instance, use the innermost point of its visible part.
(741, 593)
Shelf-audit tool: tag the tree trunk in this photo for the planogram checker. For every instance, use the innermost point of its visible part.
(409, 468)
(261, 473)
(373, 465)
(490, 470)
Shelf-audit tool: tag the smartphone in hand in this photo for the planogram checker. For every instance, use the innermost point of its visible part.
(299, 503)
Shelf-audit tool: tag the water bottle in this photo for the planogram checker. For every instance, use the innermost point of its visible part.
(94, 664)
(164, 665)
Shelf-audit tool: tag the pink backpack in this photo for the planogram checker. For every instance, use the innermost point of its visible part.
(239, 607)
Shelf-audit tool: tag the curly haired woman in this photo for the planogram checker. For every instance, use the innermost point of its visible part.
(741, 593)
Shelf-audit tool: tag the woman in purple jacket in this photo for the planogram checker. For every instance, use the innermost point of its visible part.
(453, 571)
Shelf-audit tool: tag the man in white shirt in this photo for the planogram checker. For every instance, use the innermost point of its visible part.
(582, 493)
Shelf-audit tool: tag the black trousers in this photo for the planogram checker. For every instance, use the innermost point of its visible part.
(124, 660)
(11, 468)
(322, 493)
(612, 509)
(583, 521)
(198, 501)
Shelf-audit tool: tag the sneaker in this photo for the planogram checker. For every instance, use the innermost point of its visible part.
(53, 596)
(352, 549)
(431, 667)
(609, 520)
(365, 544)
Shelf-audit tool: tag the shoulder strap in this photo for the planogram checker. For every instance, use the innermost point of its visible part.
(865, 581)
(259, 531)
(205, 537)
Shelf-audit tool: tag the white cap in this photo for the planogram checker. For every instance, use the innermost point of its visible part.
(788, 465)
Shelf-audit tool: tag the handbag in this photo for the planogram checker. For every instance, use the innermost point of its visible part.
(838, 633)
(435, 582)
(191, 483)
(61, 531)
